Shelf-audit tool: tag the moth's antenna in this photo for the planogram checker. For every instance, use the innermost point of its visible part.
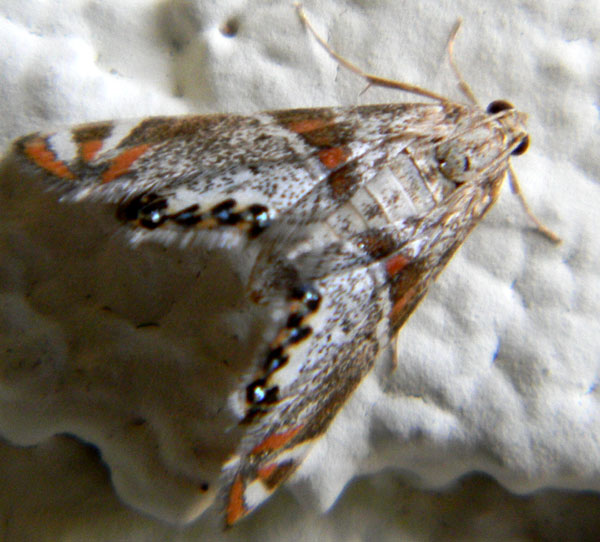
(406, 87)
(370, 78)
(512, 178)
(462, 84)
(516, 189)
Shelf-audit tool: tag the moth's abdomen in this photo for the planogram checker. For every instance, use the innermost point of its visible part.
(397, 192)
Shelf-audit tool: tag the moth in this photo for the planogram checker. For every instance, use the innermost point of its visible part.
(346, 216)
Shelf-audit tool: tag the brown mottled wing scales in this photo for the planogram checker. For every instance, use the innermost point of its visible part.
(371, 250)
(322, 371)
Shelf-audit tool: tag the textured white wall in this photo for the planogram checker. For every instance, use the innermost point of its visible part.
(497, 369)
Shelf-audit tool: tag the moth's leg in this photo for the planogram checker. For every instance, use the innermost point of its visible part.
(516, 189)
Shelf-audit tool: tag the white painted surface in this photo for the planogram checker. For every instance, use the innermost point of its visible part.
(498, 369)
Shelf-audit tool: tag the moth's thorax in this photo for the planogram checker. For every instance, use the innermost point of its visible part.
(477, 150)
(461, 158)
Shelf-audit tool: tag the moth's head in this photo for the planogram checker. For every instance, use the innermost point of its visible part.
(512, 118)
(482, 143)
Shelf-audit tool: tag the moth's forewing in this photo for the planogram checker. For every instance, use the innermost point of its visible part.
(220, 285)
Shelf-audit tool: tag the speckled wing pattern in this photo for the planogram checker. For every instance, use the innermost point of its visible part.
(349, 214)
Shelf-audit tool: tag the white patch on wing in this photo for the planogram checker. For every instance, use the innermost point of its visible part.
(62, 144)
(120, 130)
(255, 493)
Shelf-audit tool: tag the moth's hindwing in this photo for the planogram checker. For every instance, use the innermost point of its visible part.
(348, 214)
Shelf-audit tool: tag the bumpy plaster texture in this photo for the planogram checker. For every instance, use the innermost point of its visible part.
(130, 348)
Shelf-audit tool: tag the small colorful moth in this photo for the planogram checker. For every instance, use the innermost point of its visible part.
(349, 213)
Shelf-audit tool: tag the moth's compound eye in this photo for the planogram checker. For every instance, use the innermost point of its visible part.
(499, 105)
(522, 146)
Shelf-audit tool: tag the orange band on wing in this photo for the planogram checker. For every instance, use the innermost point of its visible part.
(306, 125)
(89, 149)
(121, 164)
(266, 471)
(38, 152)
(276, 441)
(333, 157)
(401, 303)
(395, 264)
(236, 508)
